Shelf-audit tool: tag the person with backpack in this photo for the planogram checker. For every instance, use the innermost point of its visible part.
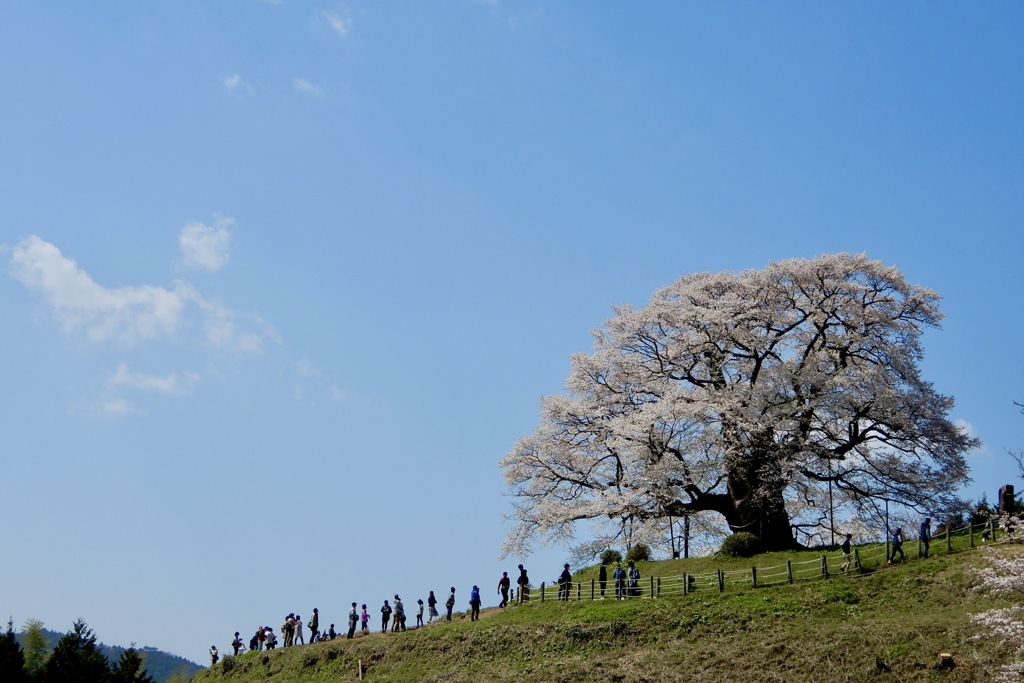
(474, 604)
(214, 655)
(399, 624)
(236, 644)
(926, 536)
(450, 604)
(270, 639)
(620, 581)
(256, 642)
(503, 585)
(385, 617)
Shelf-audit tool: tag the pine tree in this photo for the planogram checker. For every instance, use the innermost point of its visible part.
(36, 647)
(76, 659)
(129, 668)
(12, 659)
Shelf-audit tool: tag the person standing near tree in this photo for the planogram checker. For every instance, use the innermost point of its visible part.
(620, 581)
(633, 574)
(564, 583)
(925, 536)
(602, 578)
(503, 585)
(524, 585)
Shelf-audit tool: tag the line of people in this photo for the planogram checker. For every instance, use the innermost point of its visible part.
(393, 614)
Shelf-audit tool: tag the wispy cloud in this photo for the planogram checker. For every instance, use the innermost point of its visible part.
(206, 246)
(341, 24)
(302, 85)
(171, 385)
(236, 86)
(129, 316)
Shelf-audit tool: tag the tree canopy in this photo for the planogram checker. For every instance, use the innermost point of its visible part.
(744, 396)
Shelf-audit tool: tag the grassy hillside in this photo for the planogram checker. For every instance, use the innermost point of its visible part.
(884, 624)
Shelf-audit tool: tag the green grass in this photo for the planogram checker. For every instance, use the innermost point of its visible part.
(885, 624)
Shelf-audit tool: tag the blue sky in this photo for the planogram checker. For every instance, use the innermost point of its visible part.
(282, 281)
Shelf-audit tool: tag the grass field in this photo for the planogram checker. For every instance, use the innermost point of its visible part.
(881, 623)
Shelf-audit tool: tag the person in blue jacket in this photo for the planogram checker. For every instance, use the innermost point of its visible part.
(474, 604)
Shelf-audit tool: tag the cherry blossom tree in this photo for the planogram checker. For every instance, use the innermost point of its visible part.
(751, 397)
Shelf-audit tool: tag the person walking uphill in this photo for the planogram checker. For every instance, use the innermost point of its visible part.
(474, 604)
(925, 536)
(503, 585)
(314, 625)
(897, 546)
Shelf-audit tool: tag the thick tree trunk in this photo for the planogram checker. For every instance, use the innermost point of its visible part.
(756, 502)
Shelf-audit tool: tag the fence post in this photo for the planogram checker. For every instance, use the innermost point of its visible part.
(753, 576)
(789, 570)
(721, 581)
(591, 590)
(659, 586)
(542, 591)
(652, 587)
(686, 585)
(949, 545)
(856, 559)
(579, 588)
(970, 531)
(824, 566)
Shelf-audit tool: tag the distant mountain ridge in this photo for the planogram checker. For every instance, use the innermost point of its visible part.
(162, 666)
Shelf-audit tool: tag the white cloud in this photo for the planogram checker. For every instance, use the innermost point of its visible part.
(307, 369)
(302, 85)
(206, 246)
(340, 24)
(236, 86)
(128, 316)
(173, 384)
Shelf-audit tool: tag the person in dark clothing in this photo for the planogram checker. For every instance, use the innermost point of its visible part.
(847, 549)
(524, 585)
(385, 617)
(925, 536)
(897, 546)
(331, 633)
(602, 578)
(503, 585)
(236, 644)
(450, 604)
(564, 583)
(474, 604)
(314, 626)
(431, 608)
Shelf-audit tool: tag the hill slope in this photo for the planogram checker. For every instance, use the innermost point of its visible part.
(886, 624)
